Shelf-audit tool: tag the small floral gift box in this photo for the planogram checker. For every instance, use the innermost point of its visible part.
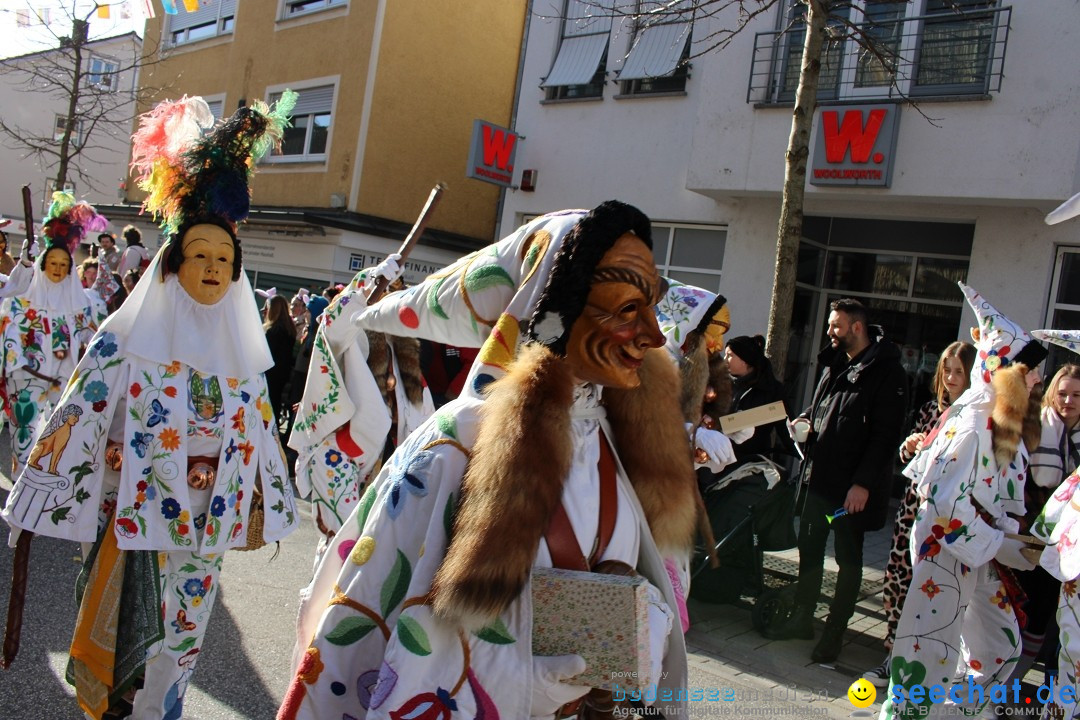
(602, 618)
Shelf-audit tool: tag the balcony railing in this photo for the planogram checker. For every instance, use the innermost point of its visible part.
(939, 55)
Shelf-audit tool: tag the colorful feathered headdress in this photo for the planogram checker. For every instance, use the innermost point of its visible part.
(67, 222)
(190, 169)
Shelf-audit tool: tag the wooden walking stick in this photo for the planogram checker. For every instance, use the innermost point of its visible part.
(410, 240)
(20, 566)
(17, 599)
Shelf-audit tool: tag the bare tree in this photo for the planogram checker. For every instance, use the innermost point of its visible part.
(94, 111)
(827, 24)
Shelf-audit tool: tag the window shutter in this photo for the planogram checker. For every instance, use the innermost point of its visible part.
(209, 11)
(656, 52)
(311, 100)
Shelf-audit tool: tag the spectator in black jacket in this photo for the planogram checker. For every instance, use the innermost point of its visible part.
(754, 385)
(853, 425)
(281, 337)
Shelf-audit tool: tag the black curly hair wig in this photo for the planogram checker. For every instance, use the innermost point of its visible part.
(572, 270)
(174, 248)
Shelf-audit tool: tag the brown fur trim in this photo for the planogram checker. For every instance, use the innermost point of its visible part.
(407, 353)
(1010, 407)
(512, 485)
(700, 372)
(655, 450)
(1032, 432)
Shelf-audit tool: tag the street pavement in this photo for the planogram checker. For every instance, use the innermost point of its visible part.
(243, 671)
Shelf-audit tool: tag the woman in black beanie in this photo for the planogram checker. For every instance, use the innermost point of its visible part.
(756, 385)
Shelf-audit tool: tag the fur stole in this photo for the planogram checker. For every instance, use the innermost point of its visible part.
(515, 476)
(407, 352)
(1012, 405)
(701, 373)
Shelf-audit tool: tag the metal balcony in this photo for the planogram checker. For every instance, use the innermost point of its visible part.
(941, 55)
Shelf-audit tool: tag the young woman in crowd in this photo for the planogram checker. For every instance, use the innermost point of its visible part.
(951, 379)
(281, 337)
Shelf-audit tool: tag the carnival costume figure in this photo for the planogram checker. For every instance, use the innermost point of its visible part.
(423, 601)
(959, 623)
(363, 396)
(45, 329)
(165, 435)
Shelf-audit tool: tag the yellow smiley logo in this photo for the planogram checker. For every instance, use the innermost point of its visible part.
(862, 693)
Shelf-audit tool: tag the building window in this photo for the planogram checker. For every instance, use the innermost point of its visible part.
(309, 133)
(916, 47)
(303, 7)
(1064, 307)
(76, 133)
(213, 18)
(579, 68)
(101, 74)
(659, 56)
(691, 254)
(22, 17)
(216, 108)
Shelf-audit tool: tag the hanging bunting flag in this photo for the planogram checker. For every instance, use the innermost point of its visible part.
(191, 5)
(169, 6)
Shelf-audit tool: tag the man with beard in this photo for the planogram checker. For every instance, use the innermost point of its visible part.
(852, 427)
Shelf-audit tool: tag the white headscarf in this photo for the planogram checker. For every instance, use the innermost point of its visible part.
(57, 298)
(162, 323)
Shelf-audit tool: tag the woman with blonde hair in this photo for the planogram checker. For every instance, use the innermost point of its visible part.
(951, 378)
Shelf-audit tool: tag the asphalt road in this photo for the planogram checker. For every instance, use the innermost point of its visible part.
(243, 670)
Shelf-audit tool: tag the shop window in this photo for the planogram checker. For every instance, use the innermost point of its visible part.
(690, 254)
(213, 18)
(309, 133)
(579, 67)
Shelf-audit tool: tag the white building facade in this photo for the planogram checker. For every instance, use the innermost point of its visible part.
(953, 189)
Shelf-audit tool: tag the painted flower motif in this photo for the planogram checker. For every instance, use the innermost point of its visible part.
(170, 439)
(246, 449)
(170, 508)
(135, 389)
(172, 368)
(930, 588)
(1001, 599)
(100, 405)
(1069, 588)
(127, 527)
(975, 665)
(333, 457)
(233, 383)
(992, 360)
(193, 587)
(141, 443)
(411, 478)
(200, 521)
(151, 493)
(105, 346)
(426, 706)
(169, 391)
(217, 506)
(230, 450)
(387, 680)
(31, 314)
(95, 391)
(238, 421)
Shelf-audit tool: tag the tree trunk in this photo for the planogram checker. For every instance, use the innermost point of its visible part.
(79, 37)
(789, 230)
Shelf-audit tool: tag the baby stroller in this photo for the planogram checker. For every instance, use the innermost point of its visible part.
(751, 509)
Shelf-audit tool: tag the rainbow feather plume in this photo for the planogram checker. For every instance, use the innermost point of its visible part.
(68, 221)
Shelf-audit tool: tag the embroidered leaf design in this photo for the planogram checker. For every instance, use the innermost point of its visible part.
(185, 645)
(81, 471)
(448, 517)
(447, 426)
(188, 568)
(433, 300)
(59, 514)
(487, 276)
(396, 585)
(1011, 487)
(366, 502)
(412, 636)
(1009, 634)
(350, 630)
(496, 633)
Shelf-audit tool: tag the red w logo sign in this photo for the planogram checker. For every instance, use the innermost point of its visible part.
(850, 133)
(491, 153)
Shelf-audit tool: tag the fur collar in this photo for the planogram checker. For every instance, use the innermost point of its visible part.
(524, 442)
(407, 352)
(1012, 406)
